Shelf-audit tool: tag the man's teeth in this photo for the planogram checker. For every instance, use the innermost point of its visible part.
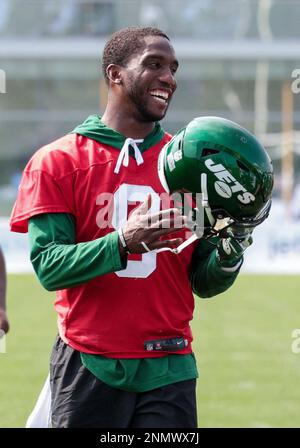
(159, 99)
(160, 95)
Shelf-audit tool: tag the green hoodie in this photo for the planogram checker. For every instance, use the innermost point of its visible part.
(93, 128)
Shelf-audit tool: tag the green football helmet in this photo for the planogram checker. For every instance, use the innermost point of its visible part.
(228, 166)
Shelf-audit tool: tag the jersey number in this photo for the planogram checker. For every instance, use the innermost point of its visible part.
(131, 194)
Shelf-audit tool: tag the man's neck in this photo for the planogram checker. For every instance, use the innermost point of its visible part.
(125, 124)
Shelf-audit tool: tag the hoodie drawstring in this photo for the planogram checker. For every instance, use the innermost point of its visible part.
(124, 154)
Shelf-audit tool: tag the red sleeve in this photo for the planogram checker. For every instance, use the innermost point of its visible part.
(46, 187)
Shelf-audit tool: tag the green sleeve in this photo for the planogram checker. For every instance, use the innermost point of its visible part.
(207, 276)
(61, 263)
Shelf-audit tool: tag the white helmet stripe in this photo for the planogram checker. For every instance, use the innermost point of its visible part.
(205, 203)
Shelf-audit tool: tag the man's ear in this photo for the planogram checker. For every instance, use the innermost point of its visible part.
(113, 73)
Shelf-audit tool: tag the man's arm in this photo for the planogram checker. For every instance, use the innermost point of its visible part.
(61, 263)
(4, 325)
(209, 276)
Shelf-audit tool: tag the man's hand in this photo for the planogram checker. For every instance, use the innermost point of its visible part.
(4, 325)
(230, 250)
(143, 227)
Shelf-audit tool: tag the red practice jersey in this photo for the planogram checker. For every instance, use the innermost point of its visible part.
(113, 314)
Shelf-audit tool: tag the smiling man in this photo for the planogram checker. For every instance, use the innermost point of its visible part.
(144, 71)
(123, 357)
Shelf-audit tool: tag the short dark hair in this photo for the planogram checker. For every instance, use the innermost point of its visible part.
(124, 43)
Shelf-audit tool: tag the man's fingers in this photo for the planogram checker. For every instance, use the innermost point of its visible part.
(4, 325)
(169, 225)
(163, 232)
(143, 208)
(170, 213)
(172, 243)
(177, 222)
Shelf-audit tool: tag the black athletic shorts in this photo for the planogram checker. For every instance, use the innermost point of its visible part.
(80, 400)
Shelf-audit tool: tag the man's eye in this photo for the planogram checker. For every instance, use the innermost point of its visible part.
(155, 65)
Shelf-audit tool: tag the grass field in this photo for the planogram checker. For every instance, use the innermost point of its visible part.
(249, 376)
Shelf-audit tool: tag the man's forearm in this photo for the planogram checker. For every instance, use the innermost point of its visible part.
(211, 279)
(60, 262)
(4, 324)
(2, 282)
(208, 278)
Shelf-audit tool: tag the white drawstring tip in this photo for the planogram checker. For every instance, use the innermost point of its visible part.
(123, 158)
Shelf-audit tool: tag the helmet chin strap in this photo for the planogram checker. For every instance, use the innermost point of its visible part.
(209, 215)
(182, 246)
(160, 167)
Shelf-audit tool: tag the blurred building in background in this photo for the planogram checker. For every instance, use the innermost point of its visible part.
(236, 61)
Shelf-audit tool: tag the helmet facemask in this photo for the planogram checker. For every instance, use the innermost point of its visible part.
(222, 224)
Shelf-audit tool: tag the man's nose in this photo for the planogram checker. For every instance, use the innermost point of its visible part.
(167, 77)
